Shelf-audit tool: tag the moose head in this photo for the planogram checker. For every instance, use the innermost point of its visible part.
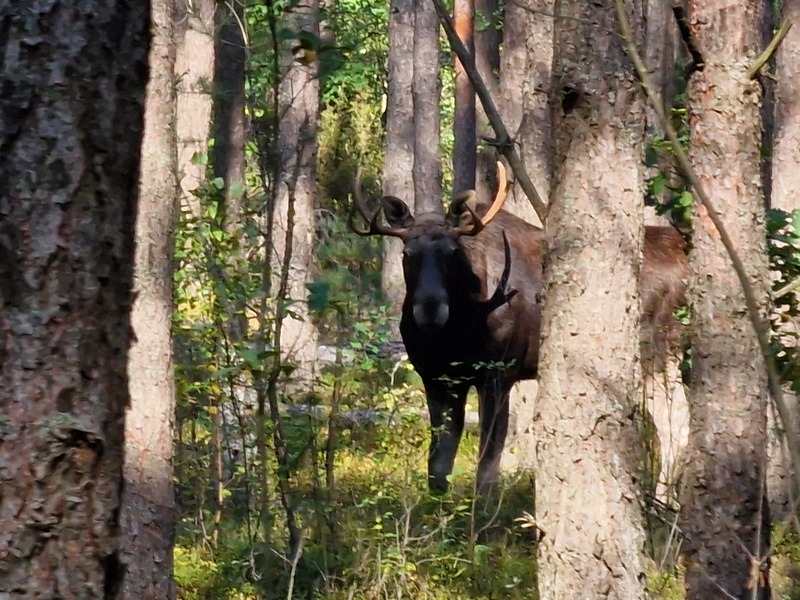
(435, 265)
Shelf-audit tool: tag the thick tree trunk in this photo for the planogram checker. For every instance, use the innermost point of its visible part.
(526, 73)
(786, 196)
(194, 73)
(293, 232)
(398, 178)
(724, 515)
(588, 450)
(229, 120)
(148, 511)
(426, 89)
(72, 83)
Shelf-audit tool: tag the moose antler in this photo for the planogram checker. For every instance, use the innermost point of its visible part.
(466, 201)
(373, 220)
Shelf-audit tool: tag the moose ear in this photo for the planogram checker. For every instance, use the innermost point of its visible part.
(396, 211)
(462, 211)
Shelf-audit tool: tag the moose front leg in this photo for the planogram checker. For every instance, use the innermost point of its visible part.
(494, 428)
(446, 409)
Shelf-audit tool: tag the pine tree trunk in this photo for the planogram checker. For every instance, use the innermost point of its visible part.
(72, 84)
(588, 450)
(426, 90)
(194, 72)
(293, 233)
(724, 516)
(148, 512)
(398, 179)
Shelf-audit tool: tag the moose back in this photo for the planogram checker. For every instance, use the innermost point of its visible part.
(472, 311)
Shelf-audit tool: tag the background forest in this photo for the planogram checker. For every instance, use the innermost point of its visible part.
(266, 435)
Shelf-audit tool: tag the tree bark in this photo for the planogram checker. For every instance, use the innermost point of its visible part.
(526, 73)
(194, 71)
(426, 89)
(148, 510)
(785, 196)
(293, 233)
(724, 516)
(464, 123)
(72, 84)
(229, 127)
(588, 451)
(398, 179)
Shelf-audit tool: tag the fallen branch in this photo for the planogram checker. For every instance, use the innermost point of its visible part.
(760, 325)
(503, 142)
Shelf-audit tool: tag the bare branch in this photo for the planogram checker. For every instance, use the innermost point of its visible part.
(504, 142)
(773, 46)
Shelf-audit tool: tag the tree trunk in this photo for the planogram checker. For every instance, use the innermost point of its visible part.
(148, 510)
(72, 83)
(398, 179)
(785, 196)
(194, 72)
(588, 450)
(229, 121)
(723, 513)
(425, 90)
(488, 37)
(293, 233)
(526, 73)
(464, 146)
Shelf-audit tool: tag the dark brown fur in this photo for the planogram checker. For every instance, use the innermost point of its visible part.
(456, 338)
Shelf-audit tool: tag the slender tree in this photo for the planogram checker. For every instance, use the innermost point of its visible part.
(73, 82)
(194, 70)
(398, 179)
(525, 75)
(724, 515)
(148, 512)
(293, 212)
(465, 144)
(229, 125)
(588, 450)
(425, 89)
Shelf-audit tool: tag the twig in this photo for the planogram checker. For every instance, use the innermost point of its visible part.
(773, 46)
(504, 142)
(761, 327)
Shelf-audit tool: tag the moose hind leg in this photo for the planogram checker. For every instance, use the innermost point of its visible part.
(494, 428)
(446, 409)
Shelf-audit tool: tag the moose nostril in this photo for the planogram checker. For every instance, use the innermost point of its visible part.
(431, 313)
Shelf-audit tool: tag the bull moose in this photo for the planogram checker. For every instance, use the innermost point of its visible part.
(456, 332)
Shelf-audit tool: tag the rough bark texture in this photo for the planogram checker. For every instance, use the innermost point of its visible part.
(71, 94)
(526, 73)
(723, 514)
(398, 178)
(229, 120)
(786, 196)
(148, 511)
(464, 150)
(293, 232)
(426, 89)
(588, 452)
(488, 37)
(194, 74)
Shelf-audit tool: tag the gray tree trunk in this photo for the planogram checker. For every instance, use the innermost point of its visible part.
(148, 509)
(293, 213)
(526, 73)
(425, 90)
(194, 74)
(724, 515)
(73, 82)
(398, 179)
(589, 455)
